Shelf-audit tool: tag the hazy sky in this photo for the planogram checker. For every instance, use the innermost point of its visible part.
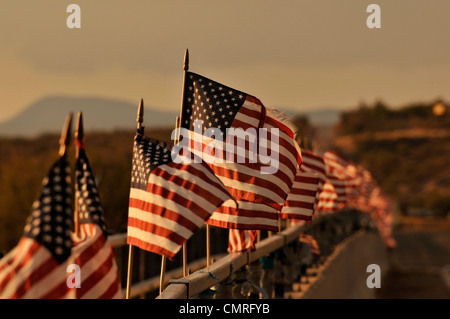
(299, 54)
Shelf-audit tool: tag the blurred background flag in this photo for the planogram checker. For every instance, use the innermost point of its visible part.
(328, 199)
(311, 162)
(92, 251)
(36, 267)
(300, 202)
(169, 201)
(337, 175)
(311, 242)
(241, 240)
(248, 215)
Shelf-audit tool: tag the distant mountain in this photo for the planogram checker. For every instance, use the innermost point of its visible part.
(47, 115)
(323, 116)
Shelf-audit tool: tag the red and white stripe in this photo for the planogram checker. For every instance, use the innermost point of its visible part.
(328, 199)
(245, 180)
(380, 210)
(312, 162)
(178, 200)
(311, 242)
(99, 273)
(29, 271)
(248, 216)
(336, 173)
(241, 240)
(300, 203)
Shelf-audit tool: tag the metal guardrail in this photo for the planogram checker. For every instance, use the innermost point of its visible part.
(205, 278)
(329, 229)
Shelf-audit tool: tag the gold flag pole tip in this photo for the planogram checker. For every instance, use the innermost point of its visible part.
(65, 135)
(140, 115)
(79, 133)
(186, 60)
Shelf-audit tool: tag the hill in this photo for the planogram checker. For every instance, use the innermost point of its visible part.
(47, 115)
(405, 149)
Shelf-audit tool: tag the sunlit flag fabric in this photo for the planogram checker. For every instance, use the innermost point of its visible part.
(337, 175)
(355, 186)
(92, 252)
(260, 174)
(301, 200)
(241, 240)
(36, 267)
(380, 210)
(169, 201)
(325, 196)
(328, 199)
(249, 215)
(311, 242)
(365, 190)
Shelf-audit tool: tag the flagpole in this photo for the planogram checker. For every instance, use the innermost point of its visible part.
(65, 135)
(79, 136)
(139, 120)
(185, 69)
(163, 258)
(177, 139)
(178, 126)
(208, 247)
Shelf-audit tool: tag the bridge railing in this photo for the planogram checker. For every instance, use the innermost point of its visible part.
(327, 229)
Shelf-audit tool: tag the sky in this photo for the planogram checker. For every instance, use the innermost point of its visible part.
(298, 55)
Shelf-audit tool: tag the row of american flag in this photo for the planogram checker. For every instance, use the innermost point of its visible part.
(170, 200)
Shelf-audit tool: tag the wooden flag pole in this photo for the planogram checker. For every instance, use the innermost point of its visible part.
(79, 136)
(163, 273)
(130, 266)
(178, 126)
(208, 247)
(139, 120)
(163, 258)
(185, 69)
(177, 139)
(65, 135)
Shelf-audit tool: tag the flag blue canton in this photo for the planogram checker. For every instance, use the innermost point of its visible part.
(147, 155)
(89, 207)
(215, 104)
(50, 221)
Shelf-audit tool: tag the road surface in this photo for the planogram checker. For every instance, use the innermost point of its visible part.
(420, 267)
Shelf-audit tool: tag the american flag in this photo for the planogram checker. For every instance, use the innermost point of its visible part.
(367, 186)
(312, 162)
(169, 201)
(380, 210)
(209, 105)
(311, 242)
(355, 186)
(37, 267)
(337, 176)
(301, 200)
(241, 240)
(92, 252)
(328, 199)
(247, 216)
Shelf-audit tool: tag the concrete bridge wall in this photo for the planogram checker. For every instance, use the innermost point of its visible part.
(344, 274)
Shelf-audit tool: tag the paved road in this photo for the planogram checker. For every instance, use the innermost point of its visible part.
(421, 261)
